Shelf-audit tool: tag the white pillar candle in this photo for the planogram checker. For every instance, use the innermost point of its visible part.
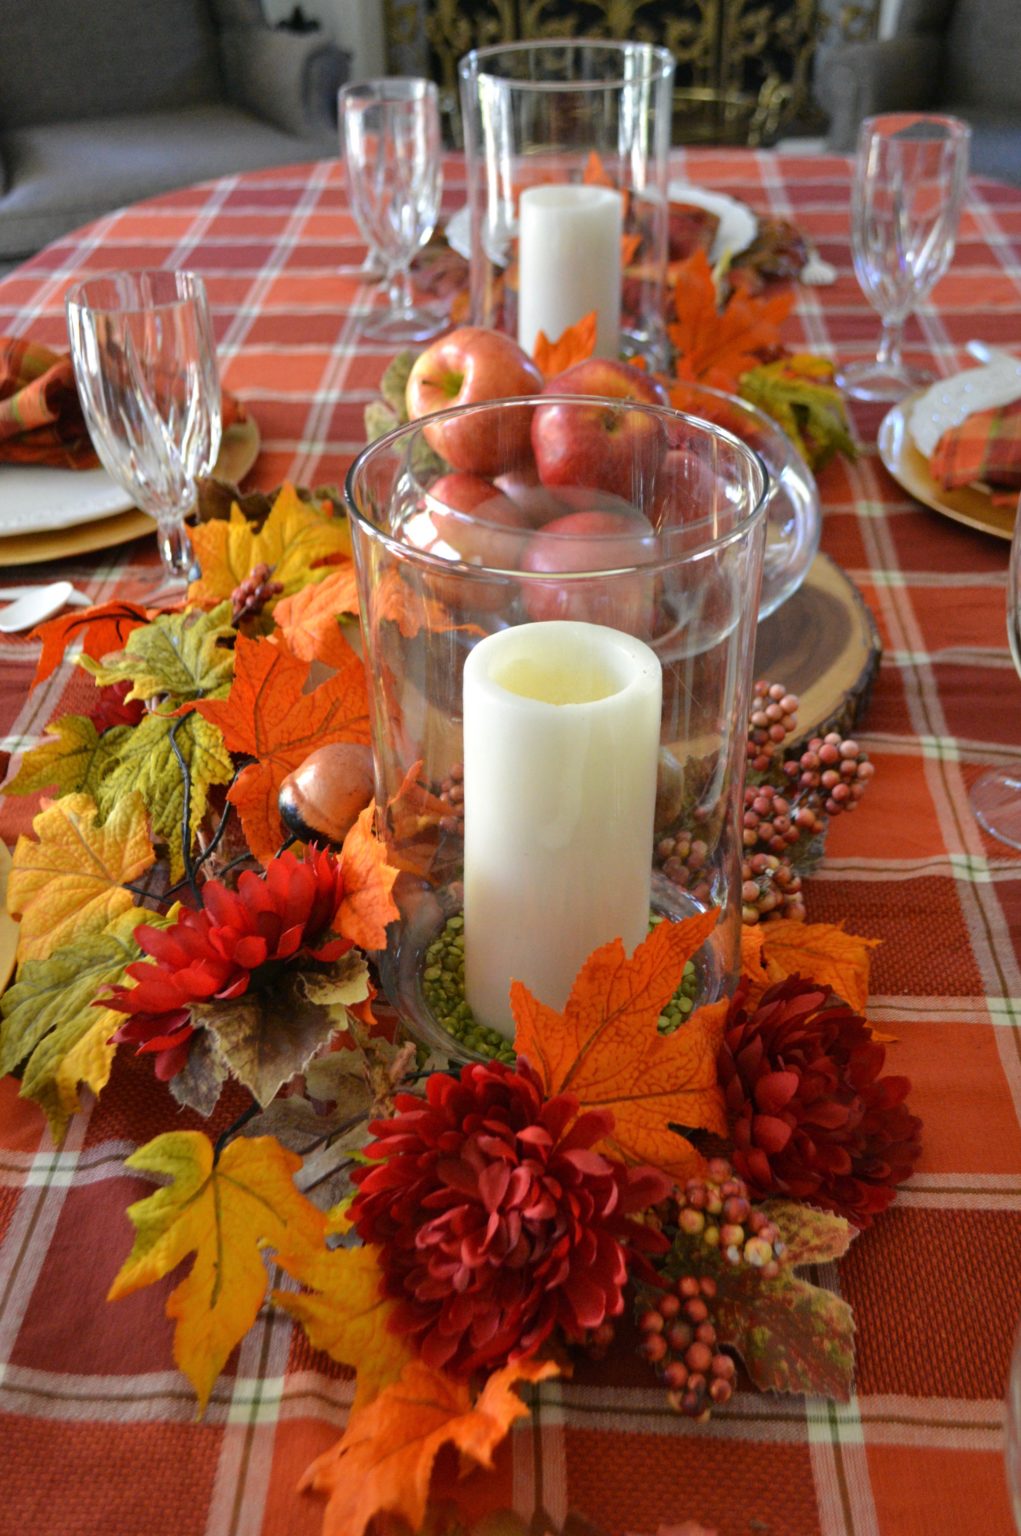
(569, 263)
(561, 746)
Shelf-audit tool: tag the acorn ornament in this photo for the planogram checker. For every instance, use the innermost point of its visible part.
(323, 798)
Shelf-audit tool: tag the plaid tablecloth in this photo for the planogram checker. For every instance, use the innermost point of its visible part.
(98, 1431)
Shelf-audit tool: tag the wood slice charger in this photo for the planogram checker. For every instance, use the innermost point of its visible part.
(823, 645)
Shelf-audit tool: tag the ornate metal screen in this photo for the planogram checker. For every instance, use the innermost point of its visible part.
(743, 66)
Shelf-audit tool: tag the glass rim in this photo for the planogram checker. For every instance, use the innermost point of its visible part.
(957, 127)
(183, 277)
(439, 564)
(661, 62)
(382, 87)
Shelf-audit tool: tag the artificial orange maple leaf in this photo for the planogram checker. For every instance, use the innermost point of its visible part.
(384, 1460)
(101, 629)
(595, 173)
(716, 346)
(267, 716)
(822, 952)
(368, 880)
(395, 601)
(573, 346)
(224, 1211)
(308, 621)
(606, 1049)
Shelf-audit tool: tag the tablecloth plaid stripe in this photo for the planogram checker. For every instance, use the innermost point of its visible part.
(98, 1431)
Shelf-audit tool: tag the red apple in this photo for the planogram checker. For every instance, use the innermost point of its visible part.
(465, 518)
(593, 541)
(607, 376)
(536, 500)
(617, 451)
(469, 367)
(468, 514)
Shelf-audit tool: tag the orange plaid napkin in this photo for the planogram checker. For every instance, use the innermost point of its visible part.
(40, 415)
(41, 419)
(985, 447)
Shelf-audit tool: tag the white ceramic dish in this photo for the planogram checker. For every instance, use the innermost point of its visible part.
(738, 224)
(948, 402)
(35, 498)
(737, 229)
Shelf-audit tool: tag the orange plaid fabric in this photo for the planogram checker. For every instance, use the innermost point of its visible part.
(985, 447)
(97, 1427)
(40, 414)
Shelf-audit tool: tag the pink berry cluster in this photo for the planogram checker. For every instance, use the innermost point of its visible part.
(252, 594)
(787, 803)
(714, 1230)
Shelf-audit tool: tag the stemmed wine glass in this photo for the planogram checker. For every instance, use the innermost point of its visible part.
(996, 796)
(909, 182)
(391, 134)
(144, 360)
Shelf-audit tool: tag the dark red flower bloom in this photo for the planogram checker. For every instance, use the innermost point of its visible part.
(496, 1220)
(111, 708)
(287, 914)
(810, 1115)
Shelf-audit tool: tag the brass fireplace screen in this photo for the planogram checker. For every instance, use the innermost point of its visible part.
(744, 67)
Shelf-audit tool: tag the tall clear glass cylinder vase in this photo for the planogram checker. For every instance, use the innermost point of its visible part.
(552, 131)
(560, 671)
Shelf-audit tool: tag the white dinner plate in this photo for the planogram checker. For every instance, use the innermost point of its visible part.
(35, 498)
(738, 224)
(38, 499)
(737, 228)
(948, 402)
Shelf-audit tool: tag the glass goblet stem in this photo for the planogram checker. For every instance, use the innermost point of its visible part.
(399, 294)
(891, 342)
(174, 546)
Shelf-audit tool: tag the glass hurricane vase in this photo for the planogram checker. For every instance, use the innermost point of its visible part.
(558, 602)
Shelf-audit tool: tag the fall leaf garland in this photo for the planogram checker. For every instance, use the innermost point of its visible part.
(553, 1205)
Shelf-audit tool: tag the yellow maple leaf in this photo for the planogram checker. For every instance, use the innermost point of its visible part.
(224, 1212)
(71, 881)
(88, 1061)
(294, 537)
(8, 927)
(384, 1459)
(346, 1317)
(606, 1049)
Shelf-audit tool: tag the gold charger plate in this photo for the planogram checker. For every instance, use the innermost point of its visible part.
(239, 450)
(910, 468)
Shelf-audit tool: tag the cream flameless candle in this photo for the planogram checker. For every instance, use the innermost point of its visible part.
(569, 263)
(561, 745)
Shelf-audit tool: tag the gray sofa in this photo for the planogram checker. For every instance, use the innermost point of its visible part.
(959, 56)
(103, 102)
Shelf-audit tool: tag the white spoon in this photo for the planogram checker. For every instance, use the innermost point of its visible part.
(32, 605)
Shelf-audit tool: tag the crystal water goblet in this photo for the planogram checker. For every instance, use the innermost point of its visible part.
(909, 181)
(144, 359)
(996, 796)
(390, 130)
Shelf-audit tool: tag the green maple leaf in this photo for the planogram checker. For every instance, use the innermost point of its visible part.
(50, 1023)
(146, 762)
(265, 1037)
(393, 385)
(792, 1336)
(73, 758)
(178, 655)
(809, 409)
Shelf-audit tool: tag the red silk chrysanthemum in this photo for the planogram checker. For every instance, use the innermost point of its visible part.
(496, 1220)
(211, 954)
(810, 1115)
